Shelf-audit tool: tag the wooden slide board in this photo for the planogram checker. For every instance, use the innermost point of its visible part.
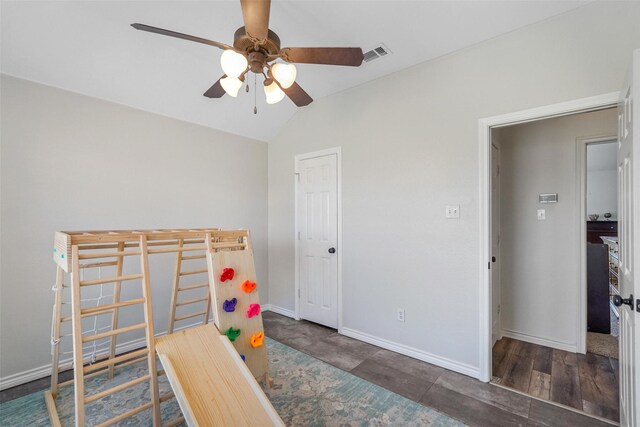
(242, 263)
(211, 382)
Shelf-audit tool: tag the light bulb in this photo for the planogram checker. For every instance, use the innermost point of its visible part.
(231, 85)
(233, 63)
(274, 93)
(285, 74)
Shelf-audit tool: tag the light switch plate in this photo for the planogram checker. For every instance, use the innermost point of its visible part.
(542, 215)
(452, 211)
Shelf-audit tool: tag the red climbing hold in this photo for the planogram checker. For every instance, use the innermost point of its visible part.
(227, 274)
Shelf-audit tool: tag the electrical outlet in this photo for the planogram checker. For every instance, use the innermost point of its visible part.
(452, 211)
(542, 215)
(401, 315)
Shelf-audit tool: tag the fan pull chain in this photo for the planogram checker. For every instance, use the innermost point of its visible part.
(255, 94)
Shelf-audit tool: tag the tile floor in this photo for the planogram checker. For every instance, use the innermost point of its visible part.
(463, 398)
(588, 382)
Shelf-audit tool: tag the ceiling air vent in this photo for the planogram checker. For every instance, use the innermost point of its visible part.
(377, 52)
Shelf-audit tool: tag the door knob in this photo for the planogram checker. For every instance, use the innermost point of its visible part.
(618, 301)
(332, 250)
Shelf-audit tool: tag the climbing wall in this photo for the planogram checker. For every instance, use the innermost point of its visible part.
(236, 304)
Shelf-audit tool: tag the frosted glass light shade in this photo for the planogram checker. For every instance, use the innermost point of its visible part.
(233, 63)
(231, 85)
(274, 93)
(285, 74)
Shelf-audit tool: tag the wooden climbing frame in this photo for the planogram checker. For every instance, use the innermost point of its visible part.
(81, 251)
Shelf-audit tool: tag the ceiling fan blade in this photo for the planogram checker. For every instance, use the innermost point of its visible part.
(170, 33)
(255, 14)
(351, 56)
(216, 91)
(298, 95)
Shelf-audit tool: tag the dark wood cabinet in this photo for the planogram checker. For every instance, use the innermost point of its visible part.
(598, 313)
(595, 229)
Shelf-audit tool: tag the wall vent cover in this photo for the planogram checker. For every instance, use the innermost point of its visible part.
(377, 52)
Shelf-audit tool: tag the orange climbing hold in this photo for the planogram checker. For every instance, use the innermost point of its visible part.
(256, 339)
(248, 286)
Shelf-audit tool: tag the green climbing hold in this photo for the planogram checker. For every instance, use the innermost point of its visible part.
(232, 333)
(61, 255)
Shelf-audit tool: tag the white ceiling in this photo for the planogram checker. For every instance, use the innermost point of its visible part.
(88, 47)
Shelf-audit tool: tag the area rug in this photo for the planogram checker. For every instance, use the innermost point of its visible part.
(306, 392)
(602, 344)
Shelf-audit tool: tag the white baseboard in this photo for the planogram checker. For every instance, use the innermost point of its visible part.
(279, 310)
(443, 362)
(572, 348)
(45, 370)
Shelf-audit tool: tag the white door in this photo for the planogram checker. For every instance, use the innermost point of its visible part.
(317, 213)
(495, 240)
(629, 247)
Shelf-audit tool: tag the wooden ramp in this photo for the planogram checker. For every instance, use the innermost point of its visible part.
(212, 384)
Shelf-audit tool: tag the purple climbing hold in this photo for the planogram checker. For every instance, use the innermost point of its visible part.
(229, 305)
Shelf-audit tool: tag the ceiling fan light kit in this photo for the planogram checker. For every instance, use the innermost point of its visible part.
(231, 85)
(256, 48)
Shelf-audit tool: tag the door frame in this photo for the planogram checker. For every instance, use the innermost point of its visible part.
(581, 191)
(297, 159)
(593, 103)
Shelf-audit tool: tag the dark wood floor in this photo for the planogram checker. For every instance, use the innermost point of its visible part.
(468, 400)
(588, 382)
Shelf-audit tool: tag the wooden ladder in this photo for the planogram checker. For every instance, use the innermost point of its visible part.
(78, 313)
(189, 253)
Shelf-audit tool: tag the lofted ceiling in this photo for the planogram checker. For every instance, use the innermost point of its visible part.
(88, 47)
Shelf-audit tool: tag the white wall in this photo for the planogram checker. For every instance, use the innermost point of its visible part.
(602, 180)
(540, 259)
(71, 162)
(410, 146)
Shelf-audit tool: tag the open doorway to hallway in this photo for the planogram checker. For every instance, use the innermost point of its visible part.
(540, 263)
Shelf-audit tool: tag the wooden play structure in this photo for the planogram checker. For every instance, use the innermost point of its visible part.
(219, 362)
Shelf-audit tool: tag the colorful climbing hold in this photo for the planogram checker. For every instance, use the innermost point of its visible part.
(232, 333)
(254, 310)
(248, 286)
(229, 305)
(256, 339)
(227, 274)
(243, 358)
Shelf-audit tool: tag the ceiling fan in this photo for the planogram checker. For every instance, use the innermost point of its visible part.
(256, 48)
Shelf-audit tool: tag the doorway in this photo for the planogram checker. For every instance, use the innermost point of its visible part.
(536, 255)
(318, 245)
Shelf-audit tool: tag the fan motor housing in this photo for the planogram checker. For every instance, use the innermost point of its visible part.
(243, 43)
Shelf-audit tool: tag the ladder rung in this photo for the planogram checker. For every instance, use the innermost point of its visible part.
(111, 280)
(188, 273)
(182, 249)
(188, 288)
(192, 301)
(116, 389)
(99, 264)
(127, 414)
(102, 309)
(108, 254)
(189, 316)
(166, 397)
(189, 257)
(175, 422)
(118, 359)
(114, 332)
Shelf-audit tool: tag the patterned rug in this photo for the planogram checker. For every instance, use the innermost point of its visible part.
(306, 392)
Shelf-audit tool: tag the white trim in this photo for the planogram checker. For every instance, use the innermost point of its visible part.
(338, 152)
(443, 362)
(581, 201)
(45, 370)
(279, 310)
(484, 170)
(560, 345)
